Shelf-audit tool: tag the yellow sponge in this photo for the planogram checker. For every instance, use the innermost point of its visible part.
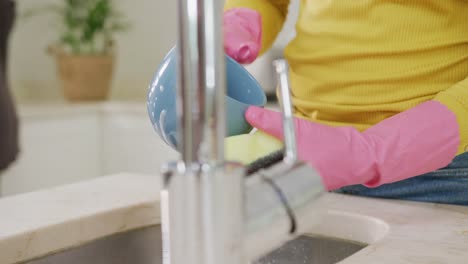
(247, 148)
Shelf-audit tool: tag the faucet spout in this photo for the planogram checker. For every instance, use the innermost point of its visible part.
(201, 82)
(202, 200)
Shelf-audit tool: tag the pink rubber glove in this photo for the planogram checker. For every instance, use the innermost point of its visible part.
(414, 142)
(242, 34)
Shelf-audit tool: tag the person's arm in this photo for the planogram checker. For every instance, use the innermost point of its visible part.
(240, 18)
(422, 139)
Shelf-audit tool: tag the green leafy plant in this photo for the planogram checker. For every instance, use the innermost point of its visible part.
(85, 26)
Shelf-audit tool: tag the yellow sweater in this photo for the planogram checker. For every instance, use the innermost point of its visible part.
(359, 62)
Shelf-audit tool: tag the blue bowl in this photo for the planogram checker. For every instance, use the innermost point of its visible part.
(242, 91)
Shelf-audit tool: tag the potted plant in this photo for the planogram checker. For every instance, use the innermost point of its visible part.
(84, 52)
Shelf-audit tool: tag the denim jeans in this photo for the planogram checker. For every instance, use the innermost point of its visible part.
(448, 185)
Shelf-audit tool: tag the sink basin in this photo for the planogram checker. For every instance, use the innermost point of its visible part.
(143, 246)
(312, 250)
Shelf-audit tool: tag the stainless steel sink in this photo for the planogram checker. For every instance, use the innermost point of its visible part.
(312, 250)
(143, 246)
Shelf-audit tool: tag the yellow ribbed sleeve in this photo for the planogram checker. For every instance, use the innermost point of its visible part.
(273, 13)
(456, 99)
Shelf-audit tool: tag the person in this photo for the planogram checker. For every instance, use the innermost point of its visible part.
(8, 117)
(380, 91)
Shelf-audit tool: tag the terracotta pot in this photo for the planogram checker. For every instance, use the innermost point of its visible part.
(84, 77)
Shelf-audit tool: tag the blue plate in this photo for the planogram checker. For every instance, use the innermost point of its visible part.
(242, 91)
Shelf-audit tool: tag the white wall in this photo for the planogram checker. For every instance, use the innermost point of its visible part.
(32, 71)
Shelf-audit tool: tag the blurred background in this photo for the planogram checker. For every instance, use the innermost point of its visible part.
(138, 50)
(64, 136)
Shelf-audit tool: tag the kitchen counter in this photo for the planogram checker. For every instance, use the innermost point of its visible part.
(39, 223)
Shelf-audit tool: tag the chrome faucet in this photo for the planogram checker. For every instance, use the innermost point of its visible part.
(212, 211)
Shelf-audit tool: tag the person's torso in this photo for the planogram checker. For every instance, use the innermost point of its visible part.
(359, 62)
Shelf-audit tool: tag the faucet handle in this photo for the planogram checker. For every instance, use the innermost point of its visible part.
(289, 130)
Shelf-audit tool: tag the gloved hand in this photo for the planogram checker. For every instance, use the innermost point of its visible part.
(242, 34)
(414, 142)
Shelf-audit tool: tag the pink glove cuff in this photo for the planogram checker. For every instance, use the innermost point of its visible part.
(242, 34)
(417, 141)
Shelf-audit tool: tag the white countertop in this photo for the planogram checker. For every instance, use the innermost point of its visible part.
(39, 223)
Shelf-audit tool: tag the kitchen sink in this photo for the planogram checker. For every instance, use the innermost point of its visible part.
(312, 250)
(144, 246)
